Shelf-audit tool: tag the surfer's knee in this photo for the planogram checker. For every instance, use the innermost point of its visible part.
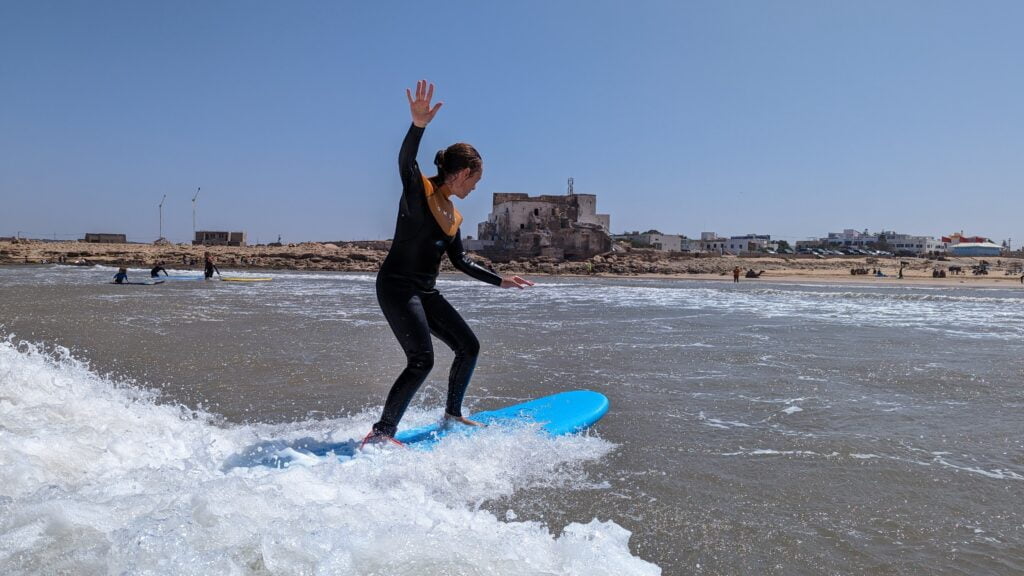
(421, 362)
(469, 347)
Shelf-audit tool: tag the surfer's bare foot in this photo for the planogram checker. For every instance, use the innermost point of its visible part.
(375, 437)
(449, 419)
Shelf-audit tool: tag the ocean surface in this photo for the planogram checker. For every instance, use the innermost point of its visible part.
(755, 428)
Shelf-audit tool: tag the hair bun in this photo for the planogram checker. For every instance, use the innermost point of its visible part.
(439, 159)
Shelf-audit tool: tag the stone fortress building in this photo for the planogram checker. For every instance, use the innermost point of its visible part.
(562, 227)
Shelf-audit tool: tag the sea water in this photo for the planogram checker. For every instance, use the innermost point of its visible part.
(754, 428)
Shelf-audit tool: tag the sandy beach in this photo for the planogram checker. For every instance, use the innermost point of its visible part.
(366, 256)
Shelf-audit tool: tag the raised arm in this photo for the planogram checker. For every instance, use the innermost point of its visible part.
(422, 113)
(407, 166)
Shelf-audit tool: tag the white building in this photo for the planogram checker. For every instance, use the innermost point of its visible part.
(885, 240)
(749, 243)
(655, 239)
(909, 244)
(851, 238)
(708, 242)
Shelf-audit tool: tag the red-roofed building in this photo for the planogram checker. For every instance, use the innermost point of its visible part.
(958, 237)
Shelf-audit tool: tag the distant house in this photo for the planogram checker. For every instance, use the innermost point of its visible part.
(888, 240)
(958, 237)
(910, 244)
(103, 238)
(975, 249)
(654, 239)
(848, 238)
(709, 242)
(218, 238)
(958, 244)
(750, 243)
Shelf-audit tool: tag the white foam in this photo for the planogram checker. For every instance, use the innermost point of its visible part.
(717, 423)
(97, 476)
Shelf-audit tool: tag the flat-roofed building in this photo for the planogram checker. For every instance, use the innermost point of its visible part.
(105, 238)
(654, 239)
(749, 243)
(896, 242)
(975, 249)
(709, 242)
(219, 238)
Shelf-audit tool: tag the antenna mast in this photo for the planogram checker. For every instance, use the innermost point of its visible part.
(162, 217)
(194, 213)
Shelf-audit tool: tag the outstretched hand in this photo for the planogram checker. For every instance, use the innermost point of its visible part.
(515, 282)
(420, 108)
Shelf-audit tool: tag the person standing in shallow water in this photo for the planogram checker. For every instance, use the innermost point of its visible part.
(209, 267)
(426, 231)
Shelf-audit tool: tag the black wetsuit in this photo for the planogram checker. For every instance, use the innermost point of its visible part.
(210, 269)
(413, 308)
(156, 271)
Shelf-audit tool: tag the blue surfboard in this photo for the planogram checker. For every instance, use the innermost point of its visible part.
(562, 413)
(558, 414)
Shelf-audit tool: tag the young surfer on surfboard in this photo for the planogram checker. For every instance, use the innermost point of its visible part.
(427, 230)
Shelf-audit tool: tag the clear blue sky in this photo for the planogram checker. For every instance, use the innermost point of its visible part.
(793, 118)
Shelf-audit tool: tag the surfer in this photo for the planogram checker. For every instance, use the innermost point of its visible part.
(155, 272)
(209, 267)
(427, 230)
(122, 276)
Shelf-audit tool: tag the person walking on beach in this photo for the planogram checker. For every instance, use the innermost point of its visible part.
(209, 267)
(155, 272)
(736, 274)
(427, 230)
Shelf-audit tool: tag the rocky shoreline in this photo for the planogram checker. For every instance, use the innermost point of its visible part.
(367, 256)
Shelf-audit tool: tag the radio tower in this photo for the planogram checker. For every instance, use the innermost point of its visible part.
(570, 186)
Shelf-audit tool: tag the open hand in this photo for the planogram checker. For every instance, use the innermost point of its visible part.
(420, 108)
(515, 282)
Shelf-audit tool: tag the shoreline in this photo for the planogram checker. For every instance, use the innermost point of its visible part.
(630, 263)
(848, 280)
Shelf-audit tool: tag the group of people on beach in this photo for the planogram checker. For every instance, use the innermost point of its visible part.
(209, 268)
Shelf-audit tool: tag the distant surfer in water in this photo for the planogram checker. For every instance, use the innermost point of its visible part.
(121, 277)
(209, 267)
(427, 230)
(155, 272)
